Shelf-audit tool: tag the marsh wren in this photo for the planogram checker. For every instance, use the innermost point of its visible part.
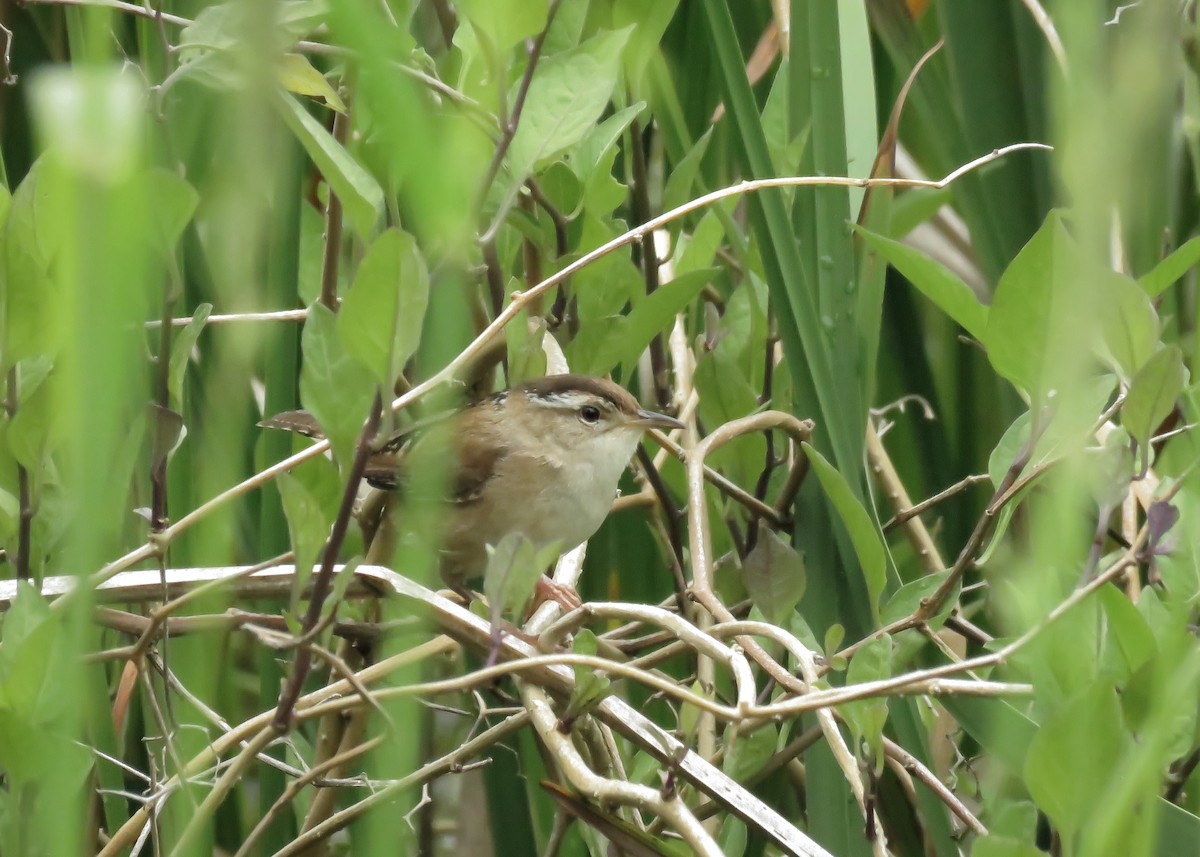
(542, 459)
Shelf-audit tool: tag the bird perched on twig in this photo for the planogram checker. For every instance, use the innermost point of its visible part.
(541, 460)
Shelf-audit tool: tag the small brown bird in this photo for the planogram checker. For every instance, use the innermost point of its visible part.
(542, 459)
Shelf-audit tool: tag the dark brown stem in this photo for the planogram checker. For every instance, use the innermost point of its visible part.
(646, 255)
(911, 512)
(324, 583)
(671, 519)
(509, 124)
(770, 462)
(333, 227)
(930, 605)
(25, 508)
(162, 396)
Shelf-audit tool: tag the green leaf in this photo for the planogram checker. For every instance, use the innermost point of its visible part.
(173, 202)
(334, 386)
(1026, 312)
(867, 717)
(863, 535)
(649, 20)
(1171, 269)
(655, 313)
(381, 317)
(908, 598)
(590, 687)
(1074, 755)
(34, 232)
(33, 431)
(1152, 394)
(566, 96)
(296, 74)
(308, 528)
(585, 158)
(506, 22)
(774, 576)
(1129, 326)
(937, 282)
(513, 569)
(1129, 643)
(747, 752)
(678, 189)
(181, 354)
(361, 195)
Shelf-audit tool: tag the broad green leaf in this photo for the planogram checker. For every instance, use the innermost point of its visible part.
(1129, 326)
(513, 569)
(33, 431)
(908, 597)
(937, 282)
(361, 196)
(774, 576)
(1152, 394)
(296, 74)
(590, 687)
(308, 527)
(1069, 430)
(867, 717)
(173, 202)
(1169, 270)
(1026, 311)
(747, 752)
(222, 27)
(867, 544)
(1074, 755)
(505, 22)
(568, 93)
(649, 20)
(678, 189)
(181, 354)
(523, 342)
(334, 386)
(381, 317)
(37, 226)
(655, 313)
(1129, 642)
(585, 158)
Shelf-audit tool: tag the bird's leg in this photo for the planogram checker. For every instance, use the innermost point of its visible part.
(548, 590)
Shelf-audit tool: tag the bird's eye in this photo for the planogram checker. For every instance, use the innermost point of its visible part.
(590, 414)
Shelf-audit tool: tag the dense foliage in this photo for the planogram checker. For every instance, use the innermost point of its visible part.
(869, 252)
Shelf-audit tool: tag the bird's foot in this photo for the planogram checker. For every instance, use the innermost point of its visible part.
(565, 596)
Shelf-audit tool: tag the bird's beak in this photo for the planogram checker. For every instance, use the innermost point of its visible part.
(649, 419)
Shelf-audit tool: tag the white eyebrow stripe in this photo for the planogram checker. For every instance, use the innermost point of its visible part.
(571, 400)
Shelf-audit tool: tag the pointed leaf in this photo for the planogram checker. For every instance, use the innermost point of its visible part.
(937, 282)
(181, 354)
(774, 576)
(1172, 268)
(334, 386)
(381, 317)
(361, 196)
(863, 535)
(568, 93)
(1152, 393)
